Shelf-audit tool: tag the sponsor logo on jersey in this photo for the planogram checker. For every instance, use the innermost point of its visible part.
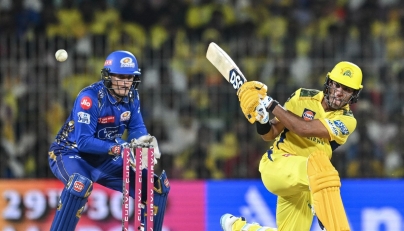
(332, 127)
(344, 130)
(83, 117)
(308, 114)
(106, 120)
(166, 183)
(127, 62)
(78, 186)
(111, 133)
(86, 103)
(125, 116)
(108, 62)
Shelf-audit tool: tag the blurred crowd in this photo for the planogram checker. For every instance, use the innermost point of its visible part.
(186, 103)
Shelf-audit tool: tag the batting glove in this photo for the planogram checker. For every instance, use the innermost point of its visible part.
(253, 85)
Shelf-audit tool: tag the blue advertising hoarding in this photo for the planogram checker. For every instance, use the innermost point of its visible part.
(371, 205)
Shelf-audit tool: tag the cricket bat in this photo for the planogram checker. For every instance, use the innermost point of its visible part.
(225, 65)
(230, 71)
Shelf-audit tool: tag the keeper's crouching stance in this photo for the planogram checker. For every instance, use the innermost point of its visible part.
(87, 148)
(71, 204)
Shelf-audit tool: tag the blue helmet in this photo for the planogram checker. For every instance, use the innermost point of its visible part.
(121, 63)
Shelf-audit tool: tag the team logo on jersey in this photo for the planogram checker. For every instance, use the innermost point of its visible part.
(108, 62)
(127, 62)
(106, 120)
(78, 186)
(83, 117)
(125, 116)
(344, 130)
(86, 103)
(308, 114)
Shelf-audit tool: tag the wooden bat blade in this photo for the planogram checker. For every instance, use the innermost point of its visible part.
(225, 65)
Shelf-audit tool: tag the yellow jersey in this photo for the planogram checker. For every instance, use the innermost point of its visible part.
(306, 103)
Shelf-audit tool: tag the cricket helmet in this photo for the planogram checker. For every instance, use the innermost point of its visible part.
(121, 63)
(347, 74)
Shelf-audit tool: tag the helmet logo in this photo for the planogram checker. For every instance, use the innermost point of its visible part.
(347, 72)
(108, 62)
(127, 62)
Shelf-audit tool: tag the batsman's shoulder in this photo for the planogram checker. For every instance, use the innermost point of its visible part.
(304, 92)
(347, 112)
(92, 89)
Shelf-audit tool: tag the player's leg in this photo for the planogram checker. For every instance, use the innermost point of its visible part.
(285, 175)
(72, 201)
(112, 178)
(232, 223)
(294, 212)
(325, 188)
(73, 172)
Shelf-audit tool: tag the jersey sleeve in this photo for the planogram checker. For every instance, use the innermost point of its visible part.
(339, 127)
(85, 115)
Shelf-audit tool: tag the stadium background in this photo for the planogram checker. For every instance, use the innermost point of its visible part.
(207, 144)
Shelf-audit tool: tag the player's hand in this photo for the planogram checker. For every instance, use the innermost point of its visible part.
(117, 150)
(249, 101)
(147, 141)
(253, 85)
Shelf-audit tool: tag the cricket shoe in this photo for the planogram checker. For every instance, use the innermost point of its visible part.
(227, 221)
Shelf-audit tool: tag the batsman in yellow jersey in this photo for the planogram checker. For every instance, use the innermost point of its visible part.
(297, 168)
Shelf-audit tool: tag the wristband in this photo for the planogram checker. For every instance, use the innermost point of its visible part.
(273, 105)
(263, 129)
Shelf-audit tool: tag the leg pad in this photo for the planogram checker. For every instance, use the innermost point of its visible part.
(71, 204)
(325, 186)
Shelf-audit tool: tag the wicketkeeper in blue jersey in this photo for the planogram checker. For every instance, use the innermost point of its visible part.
(88, 147)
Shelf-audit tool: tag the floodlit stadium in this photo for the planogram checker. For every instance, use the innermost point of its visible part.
(209, 150)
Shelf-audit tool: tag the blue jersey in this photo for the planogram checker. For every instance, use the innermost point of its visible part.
(97, 119)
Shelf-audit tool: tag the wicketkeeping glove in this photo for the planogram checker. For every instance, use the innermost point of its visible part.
(146, 141)
(117, 150)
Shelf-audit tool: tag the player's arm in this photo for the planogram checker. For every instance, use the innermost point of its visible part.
(275, 128)
(297, 125)
(251, 97)
(85, 116)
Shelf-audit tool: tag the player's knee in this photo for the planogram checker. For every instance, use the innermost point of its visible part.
(322, 174)
(79, 185)
(72, 201)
